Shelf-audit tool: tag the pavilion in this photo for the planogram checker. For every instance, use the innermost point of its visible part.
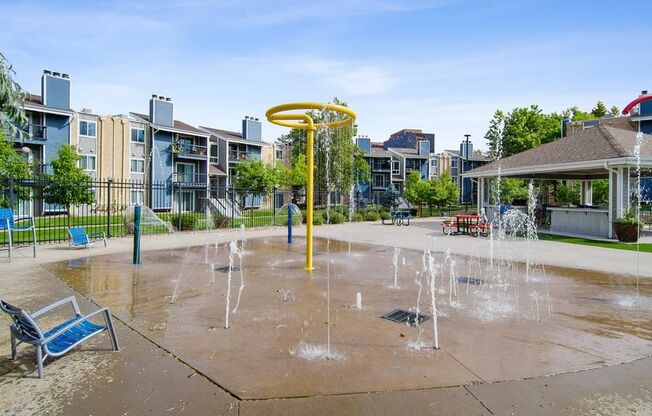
(606, 151)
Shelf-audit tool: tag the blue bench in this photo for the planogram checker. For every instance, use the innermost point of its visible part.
(399, 217)
(60, 339)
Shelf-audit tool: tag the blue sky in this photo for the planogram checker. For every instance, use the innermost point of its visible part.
(441, 66)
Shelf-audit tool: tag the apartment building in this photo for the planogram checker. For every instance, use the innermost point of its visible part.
(392, 161)
(233, 148)
(459, 161)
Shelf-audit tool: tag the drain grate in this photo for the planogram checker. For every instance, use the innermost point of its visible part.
(470, 280)
(402, 316)
(225, 269)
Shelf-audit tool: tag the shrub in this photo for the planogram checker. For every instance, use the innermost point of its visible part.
(336, 217)
(359, 216)
(372, 216)
(188, 222)
(317, 218)
(219, 221)
(384, 215)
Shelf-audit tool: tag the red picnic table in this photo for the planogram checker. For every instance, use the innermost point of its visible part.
(467, 224)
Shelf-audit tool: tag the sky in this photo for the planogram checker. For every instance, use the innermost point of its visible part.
(443, 66)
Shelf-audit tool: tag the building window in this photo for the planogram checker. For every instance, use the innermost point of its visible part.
(378, 181)
(279, 154)
(87, 128)
(137, 165)
(87, 162)
(215, 154)
(396, 167)
(454, 163)
(137, 197)
(433, 163)
(138, 135)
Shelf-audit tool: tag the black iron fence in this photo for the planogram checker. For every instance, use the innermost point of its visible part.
(168, 206)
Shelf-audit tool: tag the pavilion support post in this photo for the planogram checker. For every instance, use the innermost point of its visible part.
(586, 193)
(480, 196)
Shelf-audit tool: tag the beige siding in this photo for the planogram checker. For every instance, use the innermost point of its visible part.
(113, 148)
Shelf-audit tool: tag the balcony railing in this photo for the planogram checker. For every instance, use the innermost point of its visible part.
(192, 150)
(190, 179)
(381, 167)
(237, 155)
(31, 132)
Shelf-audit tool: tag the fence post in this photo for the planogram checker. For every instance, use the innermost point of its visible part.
(274, 205)
(108, 209)
(232, 207)
(136, 253)
(179, 199)
(11, 191)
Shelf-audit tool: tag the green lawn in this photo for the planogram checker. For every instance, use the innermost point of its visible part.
(644, 247)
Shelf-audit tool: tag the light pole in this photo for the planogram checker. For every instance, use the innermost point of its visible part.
(465, 154)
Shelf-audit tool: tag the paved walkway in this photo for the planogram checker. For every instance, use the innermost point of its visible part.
(145, 379)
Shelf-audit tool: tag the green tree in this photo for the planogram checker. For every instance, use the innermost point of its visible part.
(68, 184)
(390, 197)
(575, 114)
(13, 165)
(601, 192)
(254, 177)
(12, 98)
(495, 134)
(521, 129)
(568, 194)
(441, 191)
(600, 110)
(297, 175)
(513, 189)
(346, 164)
(614, 111)
(413, 188)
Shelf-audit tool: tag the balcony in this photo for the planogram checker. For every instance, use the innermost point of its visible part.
(190, 180)
(236, 155)
(190, 151)
(30, 132)
(381, 166)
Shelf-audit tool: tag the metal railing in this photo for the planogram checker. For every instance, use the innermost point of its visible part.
(190, 178)
(237, 155)
(186, 149)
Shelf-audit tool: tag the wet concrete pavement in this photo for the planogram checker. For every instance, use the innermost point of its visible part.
(251, 359)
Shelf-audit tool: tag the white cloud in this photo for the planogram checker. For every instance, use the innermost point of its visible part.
(347, 78)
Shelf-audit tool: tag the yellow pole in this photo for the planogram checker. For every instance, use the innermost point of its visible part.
(310, 196)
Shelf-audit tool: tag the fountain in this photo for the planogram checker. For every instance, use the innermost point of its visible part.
(278, 115)
(149, 221)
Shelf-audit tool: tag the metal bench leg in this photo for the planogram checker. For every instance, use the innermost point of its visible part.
(13, 347)
(112, 335)
(39, 361)
(34, 238)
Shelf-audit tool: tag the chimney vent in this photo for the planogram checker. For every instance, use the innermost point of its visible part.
(168, 99)
(66, 76)
(644, 92)
(246, 117)
(160, 97)
(56, 74)
(87, 110)
(47, 72)
(154, 96)
(256, 119)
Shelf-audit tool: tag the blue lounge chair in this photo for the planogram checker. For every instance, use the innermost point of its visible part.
(79, 237)
(10, 224)
(60, 339)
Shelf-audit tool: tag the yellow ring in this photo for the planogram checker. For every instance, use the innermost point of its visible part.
(287, 120)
